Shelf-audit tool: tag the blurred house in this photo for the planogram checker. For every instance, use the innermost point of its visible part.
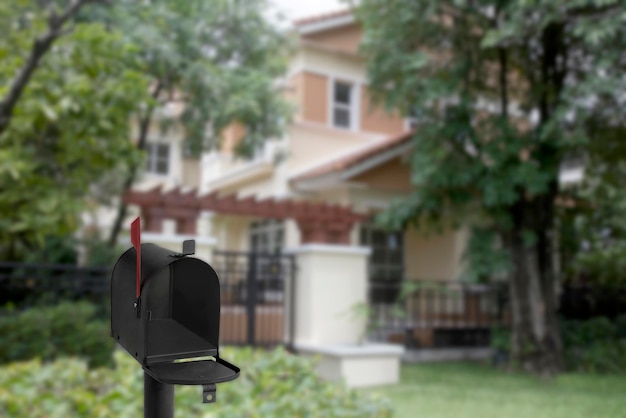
(309, 196)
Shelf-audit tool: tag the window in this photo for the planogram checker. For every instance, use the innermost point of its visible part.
(267, 236)
(343, 102)
(413, 119)
(386, 263)
(158, 161)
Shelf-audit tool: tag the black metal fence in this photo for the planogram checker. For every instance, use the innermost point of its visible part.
(256, 292)
(257, 297)
(26, 284)
(435, 314)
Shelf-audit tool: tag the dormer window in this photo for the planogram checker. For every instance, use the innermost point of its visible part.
(343, 105)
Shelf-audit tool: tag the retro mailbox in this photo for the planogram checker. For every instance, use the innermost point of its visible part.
(165, 312)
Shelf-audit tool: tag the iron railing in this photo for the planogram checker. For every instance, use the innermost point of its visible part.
(257, 298)
(424, 314)
(25, 284)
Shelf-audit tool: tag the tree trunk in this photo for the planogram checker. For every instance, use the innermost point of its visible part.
(536, 341)
(122, 208)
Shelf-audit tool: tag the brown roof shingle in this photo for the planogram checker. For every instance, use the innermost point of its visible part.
(357, 157)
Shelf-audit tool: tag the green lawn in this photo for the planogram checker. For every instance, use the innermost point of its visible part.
(459, 390)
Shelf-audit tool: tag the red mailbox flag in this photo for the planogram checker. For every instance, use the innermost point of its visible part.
(135, 239)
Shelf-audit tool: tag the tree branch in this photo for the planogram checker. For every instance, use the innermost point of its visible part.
(41, 45)
(144, 128)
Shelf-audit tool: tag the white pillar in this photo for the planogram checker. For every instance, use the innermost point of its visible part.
(330, 294)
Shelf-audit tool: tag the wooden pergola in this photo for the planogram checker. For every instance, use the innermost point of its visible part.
(318, 222)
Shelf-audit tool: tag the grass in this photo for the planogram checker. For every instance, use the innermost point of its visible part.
(468, 390)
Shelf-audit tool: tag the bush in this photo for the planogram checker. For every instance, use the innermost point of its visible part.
(594, 345)
(272, 384)
(61, 330)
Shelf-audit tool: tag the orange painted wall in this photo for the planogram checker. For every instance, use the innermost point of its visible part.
(231, 136)
(394, 175)
(376, 119)
(314, 98)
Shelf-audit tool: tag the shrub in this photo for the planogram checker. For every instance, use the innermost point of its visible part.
(594, 345)
(52, 331)
(272, 384)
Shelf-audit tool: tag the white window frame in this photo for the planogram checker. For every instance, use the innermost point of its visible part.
(353, 107)
(411, 122)
(270, 229)
(153, 158)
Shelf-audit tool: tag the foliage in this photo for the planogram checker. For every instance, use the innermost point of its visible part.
(68, 329)
(486, 258)
(272, 384)
(507, 91)
(500, 339)
(595, 345)
(218, 58)
(595, 230)
(54, 250)
(211, 64)
(69, 127)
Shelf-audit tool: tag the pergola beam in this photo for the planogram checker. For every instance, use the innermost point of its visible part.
(319, 222)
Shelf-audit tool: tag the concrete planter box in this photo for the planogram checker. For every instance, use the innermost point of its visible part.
(356, 365)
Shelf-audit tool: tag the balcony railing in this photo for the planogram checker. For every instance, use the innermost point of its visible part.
(433, 314)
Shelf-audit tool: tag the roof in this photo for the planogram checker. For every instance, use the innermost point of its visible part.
(324, 22)
(322, 17)
(358, 157)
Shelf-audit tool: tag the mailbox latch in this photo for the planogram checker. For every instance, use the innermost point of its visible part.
(208, 393)
(189, 248)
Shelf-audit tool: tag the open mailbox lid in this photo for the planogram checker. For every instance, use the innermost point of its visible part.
(169, 312)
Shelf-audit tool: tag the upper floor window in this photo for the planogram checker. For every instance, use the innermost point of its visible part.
(413, 119)
(343, 104)
(158, 161)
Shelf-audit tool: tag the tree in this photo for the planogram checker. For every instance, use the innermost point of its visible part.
(41, 44)
(507, 90)
(68, 126)
(219, 60)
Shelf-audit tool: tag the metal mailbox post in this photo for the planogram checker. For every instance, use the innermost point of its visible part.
(165, 312)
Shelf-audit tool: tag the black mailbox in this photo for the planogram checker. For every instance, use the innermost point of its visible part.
(166, 314)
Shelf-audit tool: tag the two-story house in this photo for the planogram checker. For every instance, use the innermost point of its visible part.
(341, 160)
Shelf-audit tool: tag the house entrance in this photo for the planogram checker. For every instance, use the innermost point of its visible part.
(256, 296)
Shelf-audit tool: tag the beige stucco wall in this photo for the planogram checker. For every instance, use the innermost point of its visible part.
(434, 256)
(376, 119)
(327, 62)
(190, 172)
(308, 144)
(231, 232)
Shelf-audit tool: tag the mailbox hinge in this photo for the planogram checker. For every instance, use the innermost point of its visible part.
(209, 393)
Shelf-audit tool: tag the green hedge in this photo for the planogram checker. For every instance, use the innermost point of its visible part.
(69, 328)
(272, 384)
